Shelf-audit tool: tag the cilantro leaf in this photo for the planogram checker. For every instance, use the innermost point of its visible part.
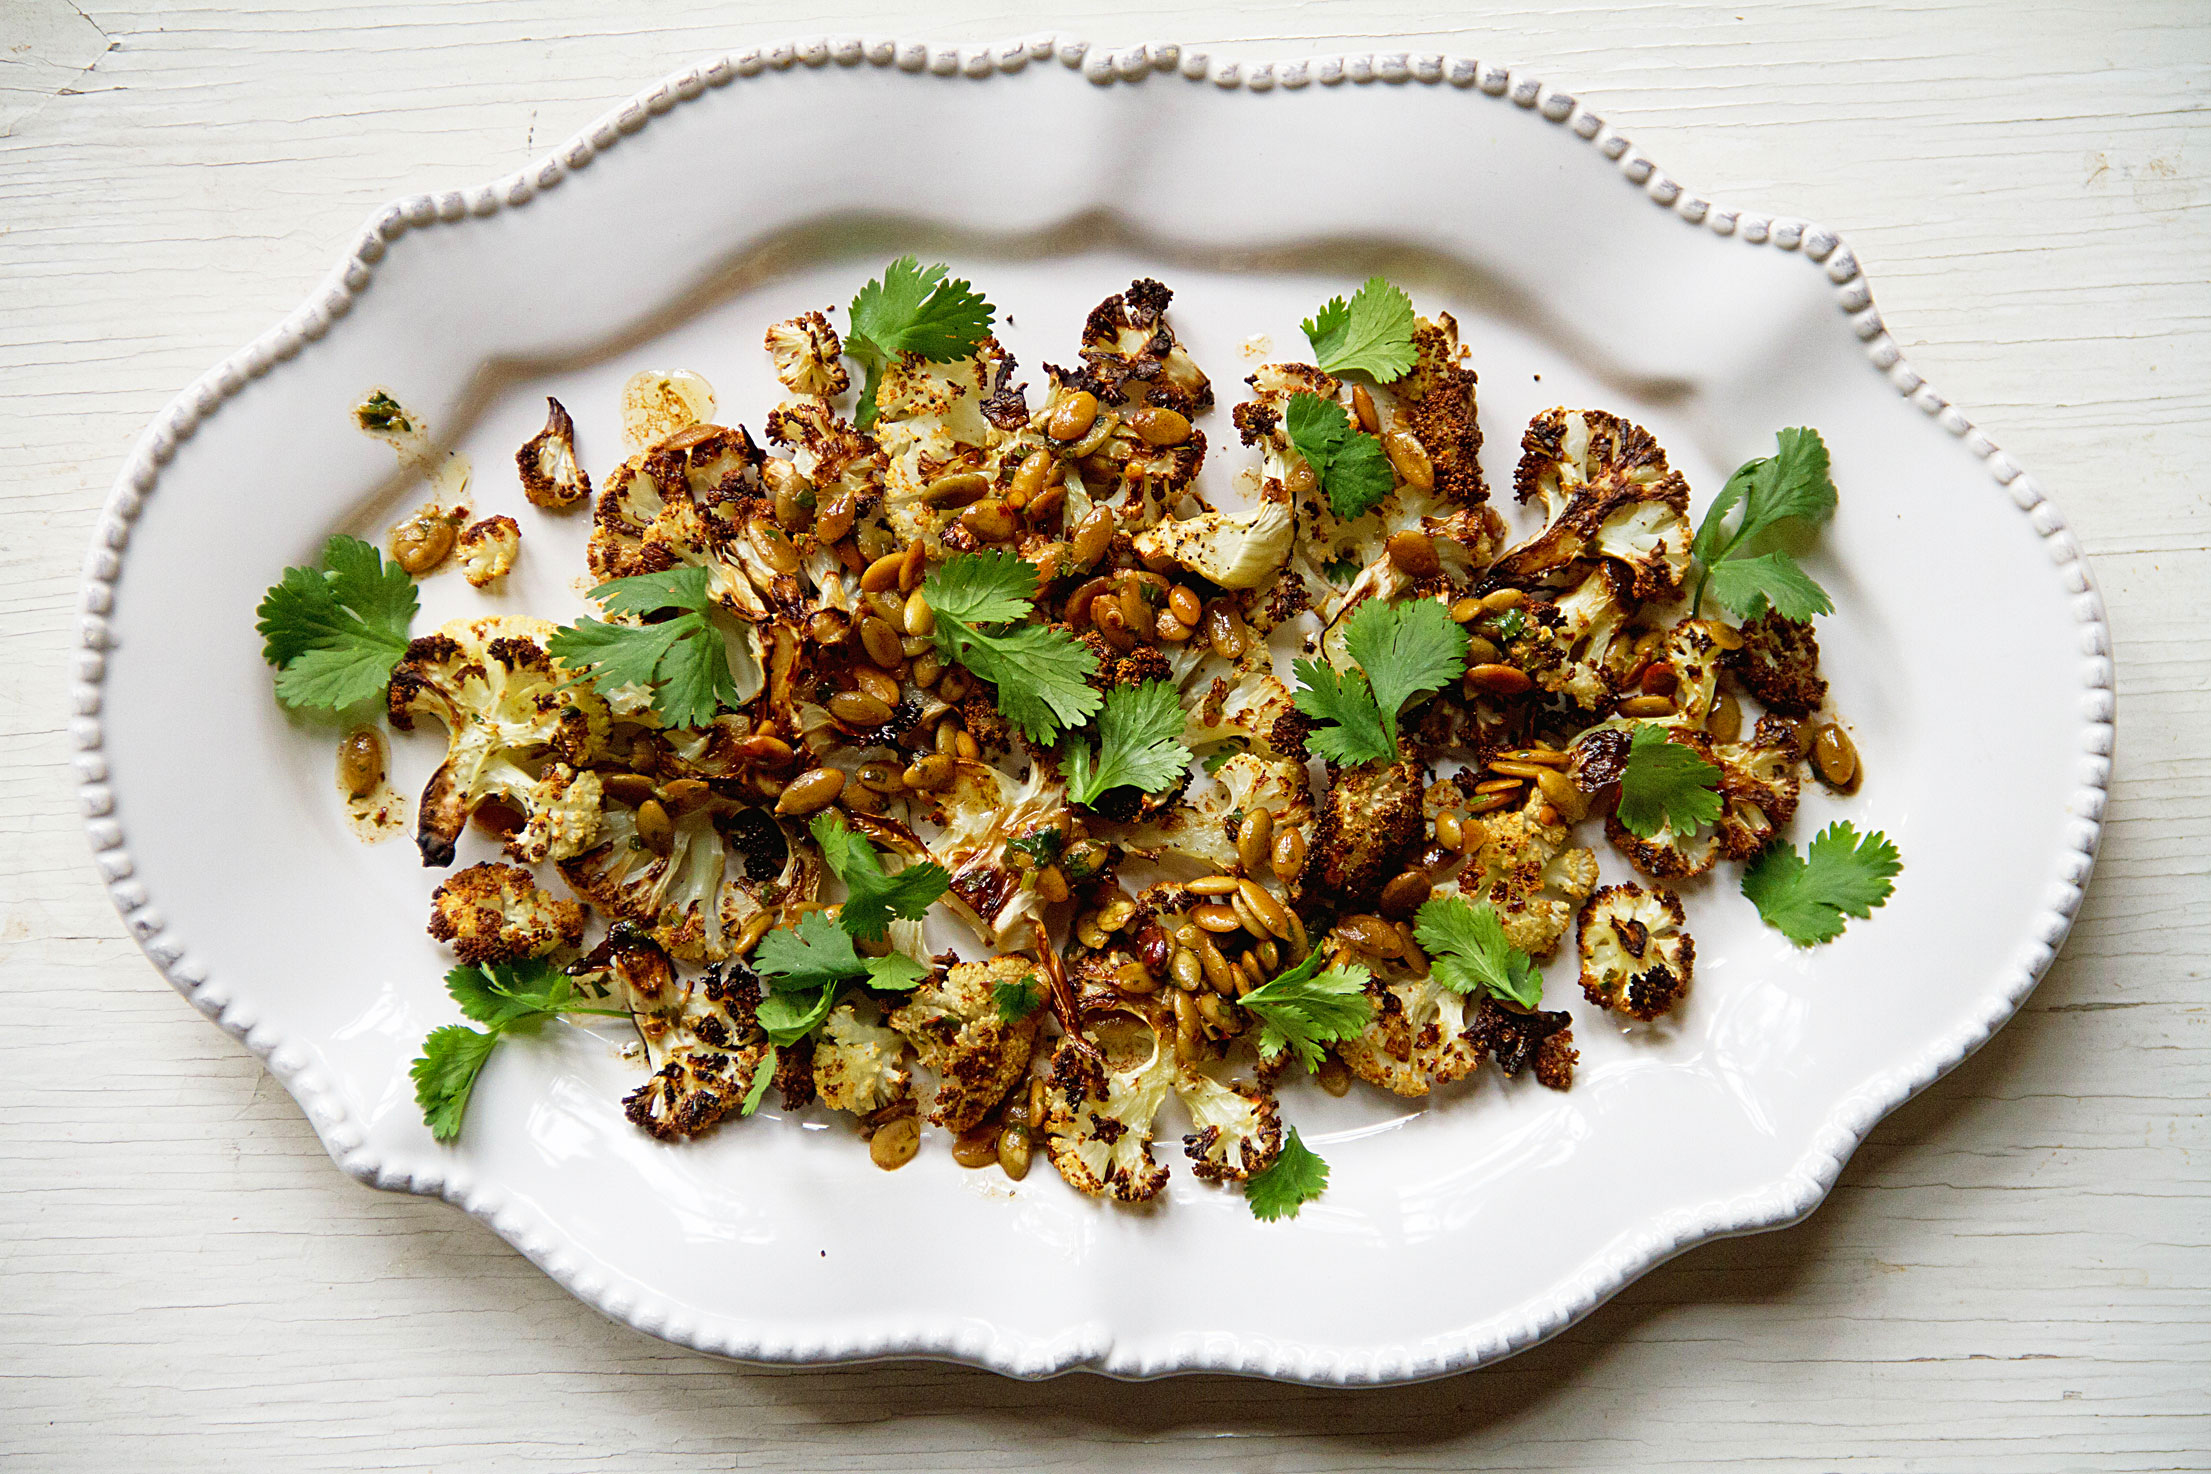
(1042, 674)
(1372, 333)
(1399, 652)
(1139, 743)
(683, 660)
(787, 1017)
(445, 1075)
(502, 996)
(1017, 1000)
(1345, 701)
(1840, 875)
(762, 1073)
(815, 952)
(334, 633)
(1666, 785)
(1793, 485)
(1305, 1008)
(1745, 586)
(1294, 1178)
(874, 896)
(895, 972)
(1467, 948)
(1350, 464)
(1406, 650)
(912, 309)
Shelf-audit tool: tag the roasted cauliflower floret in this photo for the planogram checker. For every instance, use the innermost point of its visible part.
(858, 1066)
(1517, 1038)
(496, 913)
(1526, 870)
(1759, 787)
(551, 475)
(1098, 1127)
(1572, 646)
(1418, 1038)
(953, 1024)
(1203, 826)
(1636, 952)
(1369, 822)
(806, 351)
(1607, 493)
(488, 550)
(1665, 855)
(1692, 648)
(1237, 550)
(1130, 348)
(630, 968)
(936, 420)
(517, 730)
(1779, 664)
(722, 867)
(712, 1056)
(1237, 1128)
(982, 810)
(1435, 401)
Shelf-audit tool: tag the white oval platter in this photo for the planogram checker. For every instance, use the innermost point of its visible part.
(667, 235)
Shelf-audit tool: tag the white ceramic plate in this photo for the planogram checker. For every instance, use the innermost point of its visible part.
(667, 236)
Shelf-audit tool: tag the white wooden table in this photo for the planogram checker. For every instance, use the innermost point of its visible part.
(2014, 1274)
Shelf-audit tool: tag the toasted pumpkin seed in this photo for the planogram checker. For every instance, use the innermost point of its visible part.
(895, 1143)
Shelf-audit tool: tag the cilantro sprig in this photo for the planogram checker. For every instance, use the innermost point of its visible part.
(1467, 949)
(1139, 743)
(1350, 464)
(803, 966)
(1665, 785)
(682, 660)
(1306, 1008)
(335, 632)
(912, 309)
(505, 997)
(874, 896)
(1042, 674)
(1789, 489)
(1294, 1178)
(1841, 874)
(1398, 652)
(1016, 1000)
(1372, 333)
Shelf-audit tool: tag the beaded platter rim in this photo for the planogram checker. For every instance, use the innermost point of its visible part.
(1090, 1347)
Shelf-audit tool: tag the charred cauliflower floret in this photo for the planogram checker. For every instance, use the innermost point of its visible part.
(1237, 1128)
(953, 1023)
(1435, 401)
(1666, 854)
(1606, 493)
(712, 1056)
(858, 1066)
(1369, 822)
(1129, 347)
(1692, 649)
(1098, 1128)
(1636, 952)
(806, 351)
(629, 968)
(1779, 664)
(723, 865)
(1202, 827)
(937, 420)
(517, 730)
(1418, 1038)
(1572, 646)
(1525, 869)
(551, 475)
(983, 810)
(488, 549)
(1517, 1038)
(1237, 550)
(496, 913)
(1759, 786)
(828, 451)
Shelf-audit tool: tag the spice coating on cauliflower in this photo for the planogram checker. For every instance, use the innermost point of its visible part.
(952, 1021)
(711, 1065)
(1525, 869)
(551, 476)
(1759, 787)
(1779, 664)
(1418, 1038)
(806, 351)
(1436, 401)
(516, 730)
(1369, 821)
(1239, 1128)
(1098, 1127)
(497, 913)
(1607, 493)
(488, 550)
(1636, 952)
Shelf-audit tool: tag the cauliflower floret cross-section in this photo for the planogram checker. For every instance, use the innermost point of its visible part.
(1098, 1128)
(1636, 952)
(1527, 871)
(952, 1021)
(1607, 493)
(858, 1066)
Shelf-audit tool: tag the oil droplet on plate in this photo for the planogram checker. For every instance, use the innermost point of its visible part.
(658, 402)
